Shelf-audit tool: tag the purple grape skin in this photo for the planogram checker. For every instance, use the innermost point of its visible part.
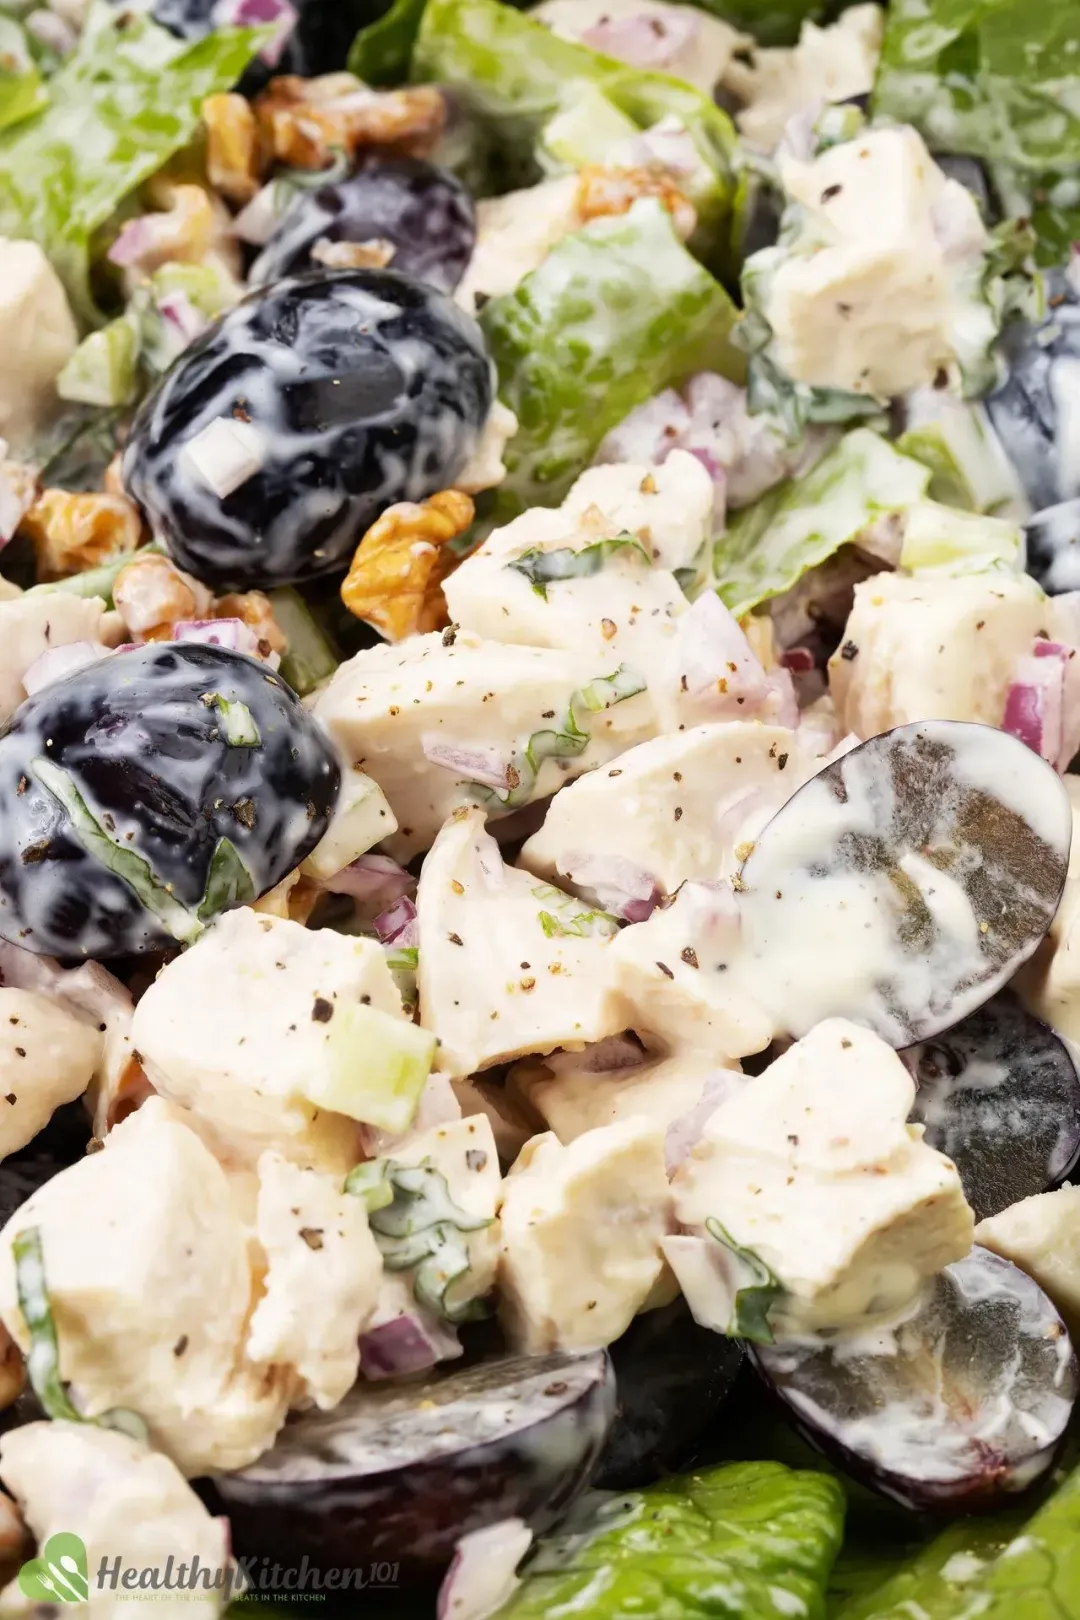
(1011, 1139)
(512, 1436)
(424, 211)
(1024, 409)
(982, 1315)
(137, 738)
(361, 387)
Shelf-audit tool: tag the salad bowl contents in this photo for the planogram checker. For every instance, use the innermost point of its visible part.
(539, 760)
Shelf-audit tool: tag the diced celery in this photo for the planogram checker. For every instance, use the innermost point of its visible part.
(376, 1070)
(939, 540)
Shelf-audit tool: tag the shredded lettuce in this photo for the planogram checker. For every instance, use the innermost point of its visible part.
(942, 543)
(21, 90)
(514, 75)
(801, 523)
(1000, 82)
(616, 313)
(126, 100)
(381, 51)
(753, 1539)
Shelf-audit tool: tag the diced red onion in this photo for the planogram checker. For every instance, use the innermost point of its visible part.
(1034, 705)
(438, 1104)
(685, 1132)
(618, 885)
(254, 13)
(231, 633)
(225, 454)
(406, 1344)
(482, 1574)
(133, 241)
(715, 663)
(181, 316)
(373, 878)
(1051, 649)
(397, 925)
(649, 433)
(781, 703)
(668, 143)
(800, 660)
(474, 762)
(644, 41)
(56, 662)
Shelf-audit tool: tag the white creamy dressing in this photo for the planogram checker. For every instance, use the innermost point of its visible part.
(823, 927)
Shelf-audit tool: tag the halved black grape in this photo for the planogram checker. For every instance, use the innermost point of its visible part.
(671, 1377)
(1032, 411)
(146, 793)
(330, 397)
(906, 882)
(954, 1410)
(399, 1472)
(1053, 547)
(1000, 1096)
(423, 211)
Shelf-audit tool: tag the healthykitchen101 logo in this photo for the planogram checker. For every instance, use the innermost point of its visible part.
(61, 1574)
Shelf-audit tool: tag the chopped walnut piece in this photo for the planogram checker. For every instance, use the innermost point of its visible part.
(235, 154)
(373, 255)
(256, 611)
(113, 480)
(305, 120)
(151, 594)
(395, 581)
(72, 531)
(614, 191)
(293, 898)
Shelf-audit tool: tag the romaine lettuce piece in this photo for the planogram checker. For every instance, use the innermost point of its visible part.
(940, 1581)
(1000, 82)
(754, 1539)
(381, 51)
(21, 89)
(968, 465)
(796, 526)
(615, 313)
(126, 100)
(515, 75)
(943, 543)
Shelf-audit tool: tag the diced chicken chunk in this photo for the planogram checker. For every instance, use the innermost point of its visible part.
(249, 1025)
(37, 337)
(31, 625)
(813, 1167)
(48, 1058)
(672, 808)
(581, 1233)
(941, 649)
(130, 1507)
(501, 972)
(322, 1281)
(148, 1276)
(442, 720)
(828, 64)
(1041, 1235)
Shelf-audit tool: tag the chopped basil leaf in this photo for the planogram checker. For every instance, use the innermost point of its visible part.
(758, 1289)
(544, 568)
(238, 723)
(228, 882)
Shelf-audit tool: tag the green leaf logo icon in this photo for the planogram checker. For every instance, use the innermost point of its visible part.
(58, 1574)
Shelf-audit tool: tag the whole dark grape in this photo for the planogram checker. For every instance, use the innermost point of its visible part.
(424, 212)
(1034, 411)
(145, 794)
(282, 433)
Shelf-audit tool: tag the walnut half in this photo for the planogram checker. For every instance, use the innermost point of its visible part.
(395, 581)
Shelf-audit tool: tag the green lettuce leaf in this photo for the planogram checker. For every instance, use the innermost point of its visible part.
(381, 52)
(616, 312)
(21, 89)
(999, 79)
(942, 1579)
(752, 1539)
(941, 543)
(514, 75)
(802, 522)
(126, 100)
